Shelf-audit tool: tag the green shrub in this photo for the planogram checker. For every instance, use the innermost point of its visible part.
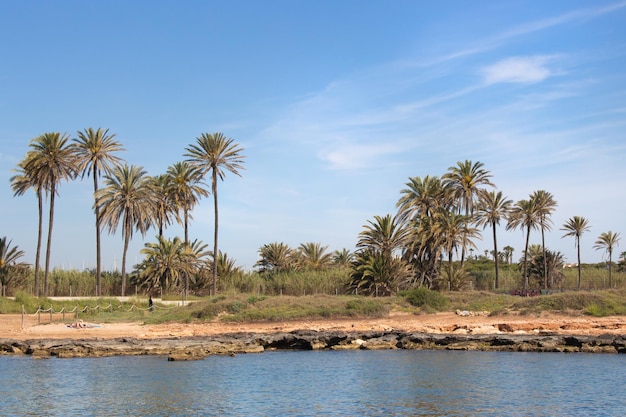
(254, 299)
(425, 298)
(236, 307)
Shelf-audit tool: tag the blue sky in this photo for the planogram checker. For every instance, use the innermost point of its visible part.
(337, 104)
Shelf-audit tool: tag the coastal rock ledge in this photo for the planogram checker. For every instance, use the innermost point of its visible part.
(199, 347)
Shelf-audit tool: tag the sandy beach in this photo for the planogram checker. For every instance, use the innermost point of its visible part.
(439, 323)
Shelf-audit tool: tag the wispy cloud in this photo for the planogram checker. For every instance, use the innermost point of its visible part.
(357, 156)
(495, 41)
(532, 69)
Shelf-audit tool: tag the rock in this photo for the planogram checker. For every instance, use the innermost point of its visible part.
(381, 343)
(198, 347)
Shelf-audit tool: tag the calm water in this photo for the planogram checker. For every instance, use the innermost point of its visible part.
(354, 383)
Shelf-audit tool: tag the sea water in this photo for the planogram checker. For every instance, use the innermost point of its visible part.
(313, 383)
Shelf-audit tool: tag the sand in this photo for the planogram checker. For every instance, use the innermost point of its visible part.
(11, 326)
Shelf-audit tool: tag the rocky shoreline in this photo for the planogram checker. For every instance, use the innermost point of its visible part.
(200, 347)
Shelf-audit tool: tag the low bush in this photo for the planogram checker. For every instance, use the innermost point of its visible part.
(425, 298)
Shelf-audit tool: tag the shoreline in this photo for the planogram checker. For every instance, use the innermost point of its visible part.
(547, 332)
(200, 347)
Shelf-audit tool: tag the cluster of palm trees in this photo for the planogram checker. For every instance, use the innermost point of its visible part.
(129, 199)
(439, 217)
(279, 257)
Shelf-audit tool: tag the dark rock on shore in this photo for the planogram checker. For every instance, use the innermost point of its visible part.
(199, 347)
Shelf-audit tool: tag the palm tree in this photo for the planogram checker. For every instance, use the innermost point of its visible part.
(420, 207)
(545, 205)
(524, 215)
(493, 207)
(537, 263)
(127, 197)
(383, 235)
(465, 180)
(313, 255)
(423, 197)
(508, 253)
(376, 263)
(374, 274)
(227, 266)
(455, 232)
(186, 188)
(165, 205)
(575, 227)
(94, 151)
(608, 241)
(20, 183)
(215, 153)
(9, 265)
(275, 257)
(168, 263)
(50, 162)
(342, 257)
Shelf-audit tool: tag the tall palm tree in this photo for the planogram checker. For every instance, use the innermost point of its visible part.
(455, 233)
(467, 180)
(127, 197)
(525, 215)
(94, 151)
(51, 161)
(216, 153)
(421, 207)
(608, 241)
(545, 205)
(165, 205)
(493, 207)
(20, 183)
(186, 188)
(576, 226)
(423, 197)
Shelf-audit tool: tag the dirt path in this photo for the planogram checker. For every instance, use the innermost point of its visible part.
(11, 326)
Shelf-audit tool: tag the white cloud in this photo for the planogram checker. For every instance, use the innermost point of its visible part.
(356, 156)
(518, 70)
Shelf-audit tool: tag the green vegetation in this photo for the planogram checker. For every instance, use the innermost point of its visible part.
(248, 308)
(427, 299)
(427, 245)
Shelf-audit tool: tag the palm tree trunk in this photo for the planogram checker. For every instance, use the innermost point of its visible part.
(49, 244)
(126, 241)
(39, 236)
(610, 267)
(450, 270)
(98, 250)
(495, 254)
(464, 236)
(214, 188)
(545, 261)
(526, 258)
(578, 247)
(186, 214)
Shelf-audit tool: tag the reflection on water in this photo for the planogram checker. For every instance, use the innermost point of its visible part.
(354, 383)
